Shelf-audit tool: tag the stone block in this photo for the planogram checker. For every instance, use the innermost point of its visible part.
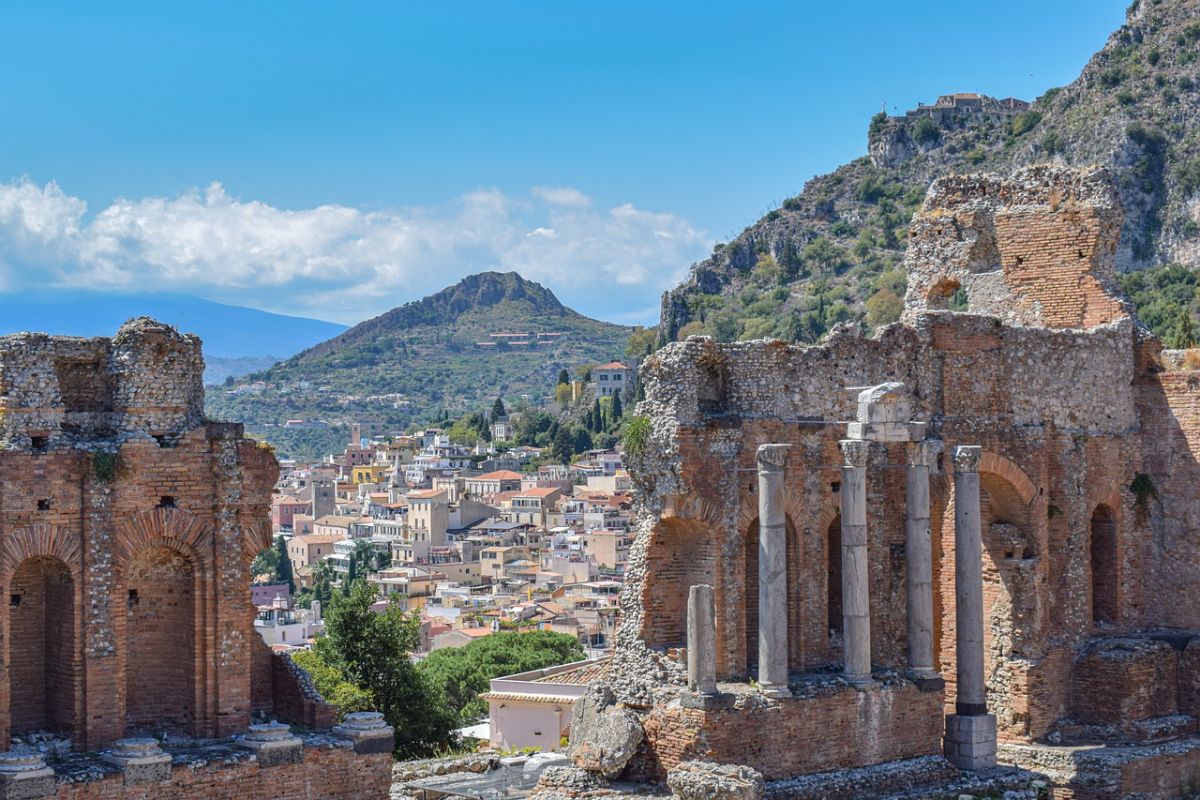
(368, 731)
(1123, 679)
(604, 737)
(970, 742)
(141, 760)
(273, 744)
(25, 776)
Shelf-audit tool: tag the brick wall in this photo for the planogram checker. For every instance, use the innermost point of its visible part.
(835, 730)
(329, 772)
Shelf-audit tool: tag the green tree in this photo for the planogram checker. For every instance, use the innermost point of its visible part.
(462, 673)
(351, 577)
(374, 651)
(616, 408)
(563, 445)
(267, 562)
(597, 417)
(283, 568)
(884, 307)
(563, 377)
(498, 409)
(562, 394)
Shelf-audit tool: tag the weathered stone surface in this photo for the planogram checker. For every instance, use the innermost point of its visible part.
(703, 780)
(604, 736)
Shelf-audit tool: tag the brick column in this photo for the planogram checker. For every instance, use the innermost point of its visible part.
(971, 733)
(856, 594)
(772, 572)
(919, 557)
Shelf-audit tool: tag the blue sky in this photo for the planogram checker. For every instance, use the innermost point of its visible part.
(335, 160)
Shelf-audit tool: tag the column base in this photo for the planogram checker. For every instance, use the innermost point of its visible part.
(707, 701)
(970, 742)
(927, 680)
(859, 681)
(775, 692)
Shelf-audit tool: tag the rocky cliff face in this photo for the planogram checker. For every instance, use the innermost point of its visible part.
(832, 253)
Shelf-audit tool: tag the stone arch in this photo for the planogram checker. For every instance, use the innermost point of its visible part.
(163, 617)
(750, 605)
(43, 656)
(681, 553)
(834, 621)
(1012, 522)
(1104, 559)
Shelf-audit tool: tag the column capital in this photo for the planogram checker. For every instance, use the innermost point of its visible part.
(772, 457)
(924, 453)
(966, 458)
(855, 452)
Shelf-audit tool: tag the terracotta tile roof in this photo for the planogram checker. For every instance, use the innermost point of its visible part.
(317, 538)
(499, 475)
(539, 492)
(611, 365)
(580, 676)
(425, 494)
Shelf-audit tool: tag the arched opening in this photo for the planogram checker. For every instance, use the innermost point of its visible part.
(160, 644)
(833, 585)
(42, 656)
(679, 555)
(1104, 566)
(750, 624)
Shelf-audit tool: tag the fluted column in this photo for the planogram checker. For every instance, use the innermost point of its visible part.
(971, 732)
(919, 555)
(772, 571)
(856, 596)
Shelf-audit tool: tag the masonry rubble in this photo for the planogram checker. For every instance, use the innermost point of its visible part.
(1013, 497)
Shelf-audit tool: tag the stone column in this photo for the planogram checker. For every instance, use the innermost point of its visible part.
(702, 640)
(919, 556)
(971, 732)
(772, 572)
(856, 595)
(369, 732)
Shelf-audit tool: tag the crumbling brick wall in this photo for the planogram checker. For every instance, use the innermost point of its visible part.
(1068, 396)
(127, 526)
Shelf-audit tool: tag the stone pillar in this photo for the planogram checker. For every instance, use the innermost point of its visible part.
(702, 640)
(971, 732)
(856, 595)
(772, 572)
(919, 556)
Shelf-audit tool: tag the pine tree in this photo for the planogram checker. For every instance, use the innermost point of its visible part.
(498, 410)
(284, 569)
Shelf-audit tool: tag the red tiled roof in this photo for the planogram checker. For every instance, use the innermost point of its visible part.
(500, 475)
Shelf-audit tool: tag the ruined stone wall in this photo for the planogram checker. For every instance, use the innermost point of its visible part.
(329, 769)
(1037, 248)
(141, 519)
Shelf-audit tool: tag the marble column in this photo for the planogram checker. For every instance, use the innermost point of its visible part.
(772, 571)
(971, 732)
(919, 556)
(702, 640)
(856, 595)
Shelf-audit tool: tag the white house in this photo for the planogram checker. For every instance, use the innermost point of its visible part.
(533, 709)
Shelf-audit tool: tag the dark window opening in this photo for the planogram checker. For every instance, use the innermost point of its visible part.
(44, 504)
(40, 444)
(133, 597)
(14, 600)
(166, 501)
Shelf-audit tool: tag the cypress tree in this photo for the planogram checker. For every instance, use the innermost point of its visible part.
(284, 570)
(616, 408)
(597, 423)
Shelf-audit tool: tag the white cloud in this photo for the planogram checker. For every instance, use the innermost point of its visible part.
(343, 263)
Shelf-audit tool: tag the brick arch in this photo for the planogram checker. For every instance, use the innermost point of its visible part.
(695, 508)
(1008, 470)
(258, 538)
(35, 541)
(169, 528)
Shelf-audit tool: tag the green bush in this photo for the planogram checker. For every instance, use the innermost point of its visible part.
(925, 132)
(1024, 122)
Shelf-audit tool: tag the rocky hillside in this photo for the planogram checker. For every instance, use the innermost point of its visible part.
(409, 364)
(833, 252)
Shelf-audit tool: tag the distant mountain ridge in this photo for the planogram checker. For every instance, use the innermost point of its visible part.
(228, 331)
(452, 350)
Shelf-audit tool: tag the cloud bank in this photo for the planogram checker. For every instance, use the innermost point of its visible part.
(341, 263)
